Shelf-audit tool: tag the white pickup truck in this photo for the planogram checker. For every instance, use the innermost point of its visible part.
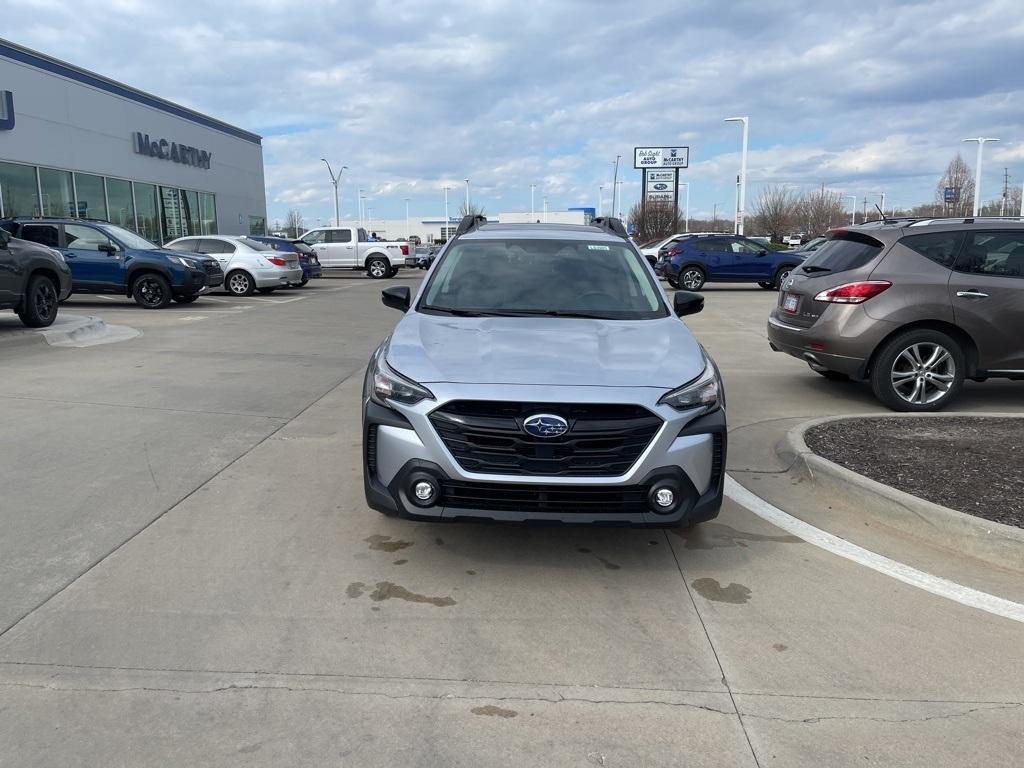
(351, 248)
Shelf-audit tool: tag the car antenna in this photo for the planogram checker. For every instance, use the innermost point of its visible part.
(882, 214)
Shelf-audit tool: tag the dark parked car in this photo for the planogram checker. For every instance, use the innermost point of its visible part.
(700, 259)
(913, 306)
(105, 258)
(307, 258)
(33, 280)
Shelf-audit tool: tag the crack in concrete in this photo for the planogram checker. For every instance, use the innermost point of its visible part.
(950, 716)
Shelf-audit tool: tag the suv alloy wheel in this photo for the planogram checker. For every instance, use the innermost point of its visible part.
(378, 269)
(692, 278)
(39, 307)
(151, 291)
(921, 370)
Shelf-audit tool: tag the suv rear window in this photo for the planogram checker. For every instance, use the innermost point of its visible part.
(843, 251)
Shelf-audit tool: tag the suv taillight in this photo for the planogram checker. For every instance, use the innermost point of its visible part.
(405, 250)
(853, 293)
(276, 261)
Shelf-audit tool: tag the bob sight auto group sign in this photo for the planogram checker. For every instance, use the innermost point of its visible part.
(170, 150)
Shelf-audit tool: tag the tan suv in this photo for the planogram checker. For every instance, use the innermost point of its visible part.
(913, 306)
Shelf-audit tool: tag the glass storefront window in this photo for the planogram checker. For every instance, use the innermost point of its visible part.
(55, 186)
(170, 213)
(92, 202)
(19, 193)
(208, 213)
(147, 212)
(119, 197)
(257, 225)
(190, 212)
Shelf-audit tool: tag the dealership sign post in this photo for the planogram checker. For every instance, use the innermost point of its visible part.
(660, 168)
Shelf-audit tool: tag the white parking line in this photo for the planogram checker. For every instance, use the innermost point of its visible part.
(899, 571)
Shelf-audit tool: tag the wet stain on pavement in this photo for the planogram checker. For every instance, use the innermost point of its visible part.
(249, 749)
(583, 550)
(386, 543)
(780, 647)
(471, 573)
(386, 590)
(439, 541)
(355, 589)
(609, 564)
(710, 589)
(718, 535)
(400, 562)
(492, 711)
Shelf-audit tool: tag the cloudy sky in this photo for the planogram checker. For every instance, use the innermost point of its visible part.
(414, 95)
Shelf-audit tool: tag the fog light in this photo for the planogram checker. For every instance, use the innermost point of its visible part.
(424, 490)
(664, 497)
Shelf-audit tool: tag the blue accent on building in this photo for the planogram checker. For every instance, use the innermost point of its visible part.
(16, 53)
(592, 212)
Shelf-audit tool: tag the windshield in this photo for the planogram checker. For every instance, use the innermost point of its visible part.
(543, 277)
(128, 238)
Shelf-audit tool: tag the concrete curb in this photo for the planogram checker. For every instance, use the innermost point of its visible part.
(65, 328)
(1001, 545)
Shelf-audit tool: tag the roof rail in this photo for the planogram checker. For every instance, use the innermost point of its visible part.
(611, 225)
(469, 223)
(963, 219)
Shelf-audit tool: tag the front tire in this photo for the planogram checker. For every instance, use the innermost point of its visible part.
(692, 278)
(378, 269)
(239, 283)
(39, 307)
(151, 291)
(918, 371)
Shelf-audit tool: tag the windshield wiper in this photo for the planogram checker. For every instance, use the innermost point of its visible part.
(453, 311)
(546, 313)
(813, 268)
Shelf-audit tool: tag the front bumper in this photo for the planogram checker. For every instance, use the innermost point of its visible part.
(400, 446)
(197, 281)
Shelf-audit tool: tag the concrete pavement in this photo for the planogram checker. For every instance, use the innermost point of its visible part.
(193, 578)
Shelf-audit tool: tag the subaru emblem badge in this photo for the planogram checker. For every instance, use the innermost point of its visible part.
(545, 425)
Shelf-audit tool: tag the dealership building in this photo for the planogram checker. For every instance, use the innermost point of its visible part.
(77, 144)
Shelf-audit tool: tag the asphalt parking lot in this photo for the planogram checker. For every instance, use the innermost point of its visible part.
(189, 575)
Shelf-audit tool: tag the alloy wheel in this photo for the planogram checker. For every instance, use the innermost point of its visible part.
(239, 284)
(923, 373)
(692, 279)
(377, 268)
(151, 291)
(45, 300)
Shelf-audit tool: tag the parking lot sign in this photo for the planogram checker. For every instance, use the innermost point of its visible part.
(950, 194)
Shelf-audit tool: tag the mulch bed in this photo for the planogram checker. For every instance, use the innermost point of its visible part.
(975, 465)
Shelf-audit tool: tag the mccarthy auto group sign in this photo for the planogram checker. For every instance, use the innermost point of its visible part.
(661, 157)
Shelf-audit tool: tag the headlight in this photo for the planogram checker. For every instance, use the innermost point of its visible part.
(703, 393)
(185, 261)
(387, 384)
(57, 255)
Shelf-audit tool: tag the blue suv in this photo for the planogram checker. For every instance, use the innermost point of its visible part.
(699, 259)
(105, 258)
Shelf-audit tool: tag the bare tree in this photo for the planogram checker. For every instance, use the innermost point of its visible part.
(473, 210)
(293, 223)
(958, 175)
(775, 211)
(653, 221)
(820, 211)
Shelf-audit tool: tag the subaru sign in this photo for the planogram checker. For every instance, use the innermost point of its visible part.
(950, 194)
(6, 111)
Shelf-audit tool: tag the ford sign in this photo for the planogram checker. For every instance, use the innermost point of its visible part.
(545, 425)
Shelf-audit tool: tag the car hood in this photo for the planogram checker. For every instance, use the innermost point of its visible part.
(547, 351)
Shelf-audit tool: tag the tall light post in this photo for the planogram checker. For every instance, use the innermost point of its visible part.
(600, 201)
(408, 233)
(467, 197)
(369, 218)
(741, 208)
(619, 197)
(335, 180)
(532, 213)
(686, 225)
(545, 219)
(360, 207)
(615, 183)
(853, 209)
(977, 172)
(882, 206)
(444, 235)
(714, 218)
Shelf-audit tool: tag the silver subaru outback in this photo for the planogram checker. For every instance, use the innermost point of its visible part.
(541, 373)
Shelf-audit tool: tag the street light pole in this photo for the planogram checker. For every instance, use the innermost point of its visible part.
(444, 233)
(853, 210)
(686, 225)
(600, 201)
(532, 213)
(408, 233)
(467, 197)
(619, 196)
(977, 172)
(615, 183)
(741, 211)
(335, 180)
(545, 209)
(360, 207)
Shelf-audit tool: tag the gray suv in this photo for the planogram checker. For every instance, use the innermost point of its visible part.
(541, 374)
(913, 306)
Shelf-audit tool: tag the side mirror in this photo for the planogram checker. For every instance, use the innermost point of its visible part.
(762, 252)
(5, 238)
(107, 248)
(397, 297)
(687, 303)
